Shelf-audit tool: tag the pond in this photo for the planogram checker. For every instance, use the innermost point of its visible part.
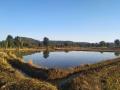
(48, 59)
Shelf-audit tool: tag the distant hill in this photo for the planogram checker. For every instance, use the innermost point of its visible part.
(30, 42)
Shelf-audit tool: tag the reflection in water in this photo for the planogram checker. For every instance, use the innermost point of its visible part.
(30, 62)
(101, 52)
(46, 54)
(117, 53)
(20, 54)
(66, 51)
(65, 60)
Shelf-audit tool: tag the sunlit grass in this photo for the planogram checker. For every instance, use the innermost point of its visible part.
(12, 79)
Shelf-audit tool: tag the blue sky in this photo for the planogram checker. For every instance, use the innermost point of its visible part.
(76, 20)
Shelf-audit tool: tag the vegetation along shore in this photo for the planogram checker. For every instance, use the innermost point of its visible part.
(15, 74)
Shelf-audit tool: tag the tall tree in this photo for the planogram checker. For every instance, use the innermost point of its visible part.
(18, 42)
(102, 44)
(46, 41)
(3, 44)
(117, 42)
(9, 41)
(66, 44)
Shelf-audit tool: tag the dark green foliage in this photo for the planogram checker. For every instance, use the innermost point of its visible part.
(9, 41)
(102, 43)
(117, 43)
(66, 44)
(25, 42)
(3, 44)
(18, 42)
(45, 41)
(31, 43)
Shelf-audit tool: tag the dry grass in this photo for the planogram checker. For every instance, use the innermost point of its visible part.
(12, 79)
(101, 76)
(106, 77)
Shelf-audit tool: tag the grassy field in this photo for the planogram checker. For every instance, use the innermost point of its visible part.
(12, 79)
(102, 76)
(14, 73)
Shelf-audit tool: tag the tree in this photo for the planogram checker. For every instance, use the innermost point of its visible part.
(3, 44)
(66, 44)
(102, 43)
(117, 42)
(18, 42)
(45, 41)
(9, 41)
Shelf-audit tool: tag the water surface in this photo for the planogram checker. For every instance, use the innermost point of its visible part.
(67, 59)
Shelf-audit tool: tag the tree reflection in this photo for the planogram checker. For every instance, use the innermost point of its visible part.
(46, 54)
(101, 52)
(66, 51)
(117, 53)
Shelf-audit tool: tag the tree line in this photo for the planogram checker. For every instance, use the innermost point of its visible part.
(19, 42)
(11, 42)
(115, 44)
